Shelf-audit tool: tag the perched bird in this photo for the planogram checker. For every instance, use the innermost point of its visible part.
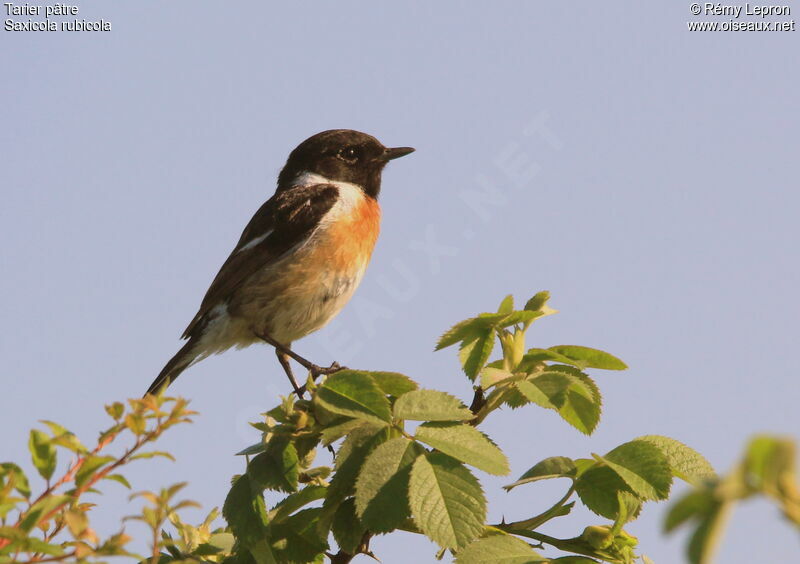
(301, 256)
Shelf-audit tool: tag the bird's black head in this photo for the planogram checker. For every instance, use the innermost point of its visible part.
(341, 155)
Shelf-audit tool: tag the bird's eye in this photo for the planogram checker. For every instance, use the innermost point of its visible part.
(349, 154)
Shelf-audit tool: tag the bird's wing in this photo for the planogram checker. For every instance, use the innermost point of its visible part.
(285, 221)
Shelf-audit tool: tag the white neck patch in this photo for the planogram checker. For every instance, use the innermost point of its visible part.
(350, 195)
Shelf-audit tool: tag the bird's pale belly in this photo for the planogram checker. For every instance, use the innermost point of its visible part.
(303, 292)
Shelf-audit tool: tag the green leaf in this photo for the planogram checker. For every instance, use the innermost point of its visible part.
(16, 474)
(769, 463)
(568, 391)
(685, 462)
(431, 405)
(470, 329)
(515, 317)
(43, 453)
(465, 443)
(277, 467)
(90, 466)
(534, 356)
(382, 485)
(643, 467)
(708, 534)
(474, 353)
(115, 410)
(695, 504)
(297, 539)
(252, 449)
(538, 301)
(295, 501)
(446, 501)
(152, 454)
(357, 437)
(119, 478)
(598, 488)
(507, 305)
(393, 383)
(245, 511)
(499, 549)
(342, 484)
(347, 529)
(491, 376)
(586, 357)
(553, 467)
(354, 394)
(64, 438)
(338, 429)
(40, 510)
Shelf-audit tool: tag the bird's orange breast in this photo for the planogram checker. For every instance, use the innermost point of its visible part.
(350, 237)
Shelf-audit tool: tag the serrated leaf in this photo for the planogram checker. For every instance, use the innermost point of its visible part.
(589, 358)
(342, 484)
(474, 353)
(277, 467)
(252, 449)
(685, 462)
(535, 355)
(491, 376)
(507, 305)
(297, 539)
(381, 500)
(354, 394)
(513, 398)
(295, 501)
(568, 391)
(598, 488)
(446, 501)
(430, 405)
(338, 429)
(538, 301)
(643, 467)
(347, 529)
(515, 317)
(499, 549)
(553, 467)
(357, 437)
(464, 443)
(470, 329)
(90, 466)
(245, 511)
(43, 453)
(393, 383)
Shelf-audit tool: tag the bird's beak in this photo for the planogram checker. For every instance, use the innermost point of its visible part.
(396, 152)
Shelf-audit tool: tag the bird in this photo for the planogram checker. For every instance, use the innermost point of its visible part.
(299, 259)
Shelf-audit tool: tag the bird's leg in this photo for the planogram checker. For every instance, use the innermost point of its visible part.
(283, 358)
(315, 370)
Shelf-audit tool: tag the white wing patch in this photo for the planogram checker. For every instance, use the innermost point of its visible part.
(253, 242)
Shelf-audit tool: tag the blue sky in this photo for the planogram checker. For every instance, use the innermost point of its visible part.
(645, 175)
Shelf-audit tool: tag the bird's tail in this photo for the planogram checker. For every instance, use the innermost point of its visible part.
(182, 360)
